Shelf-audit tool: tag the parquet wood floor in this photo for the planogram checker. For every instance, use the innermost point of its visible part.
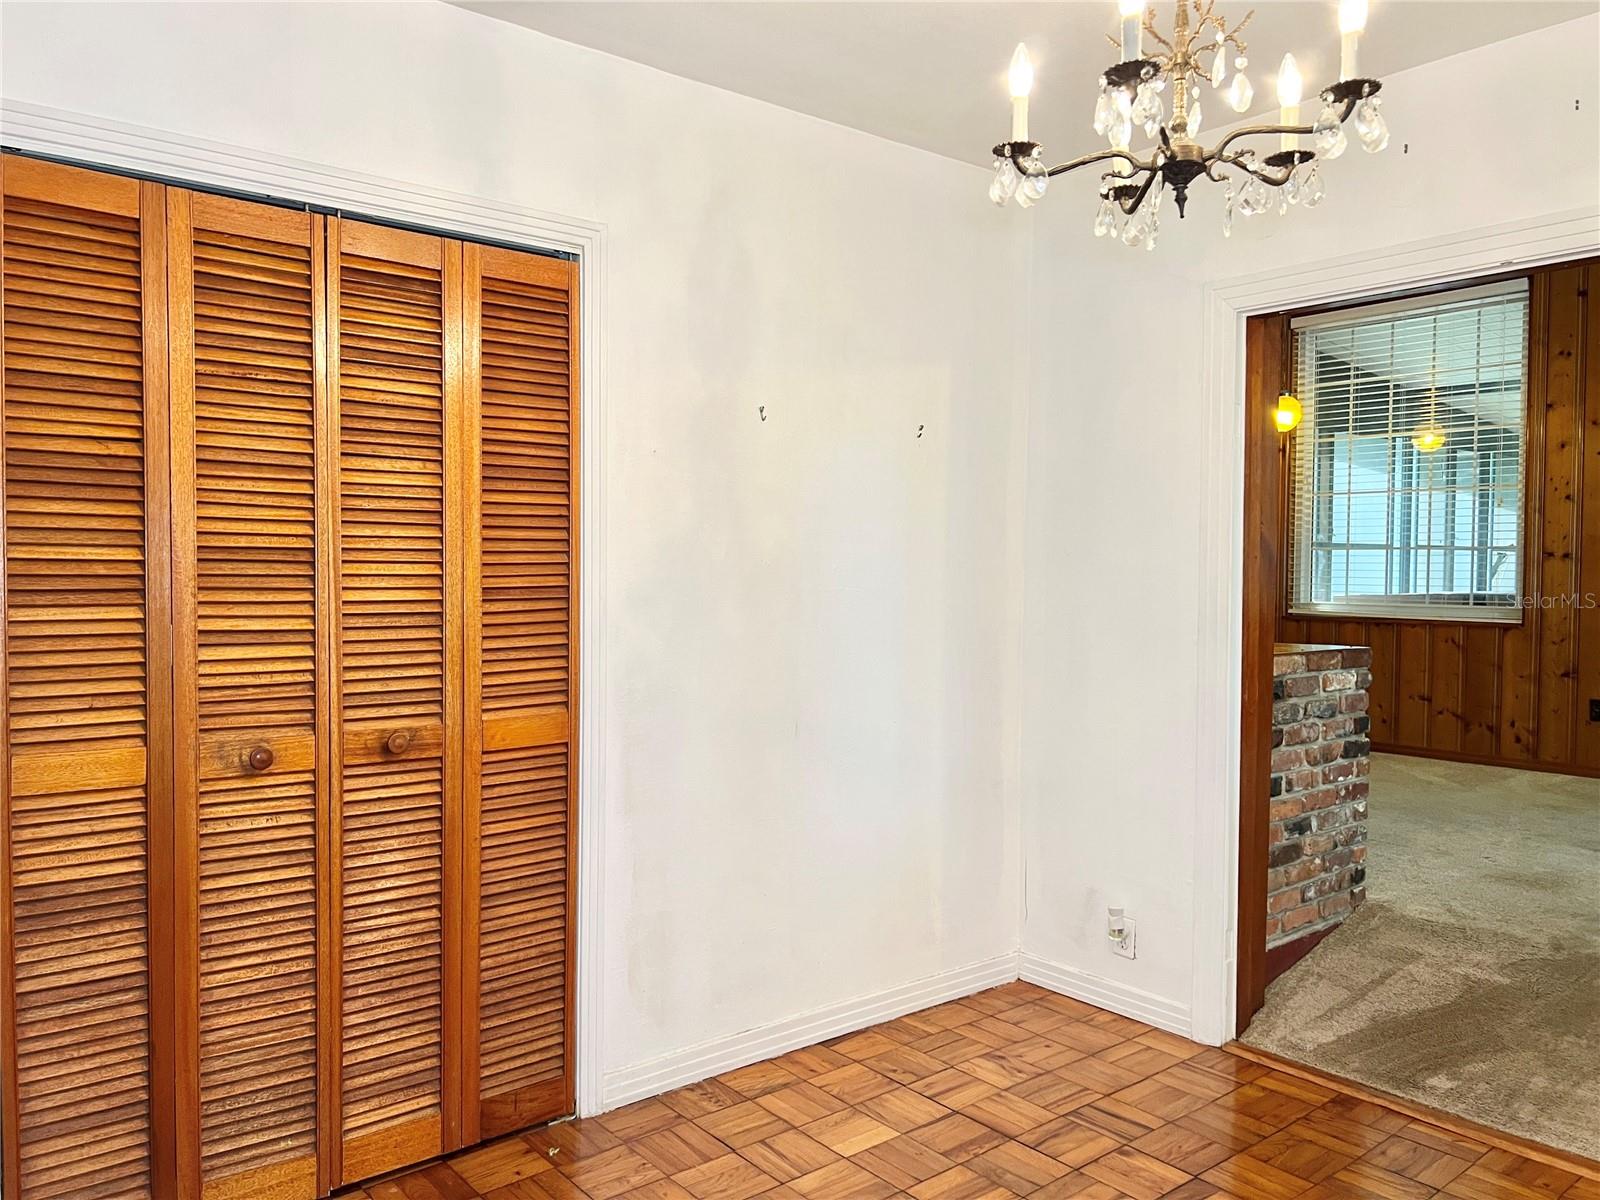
(1014, 1092)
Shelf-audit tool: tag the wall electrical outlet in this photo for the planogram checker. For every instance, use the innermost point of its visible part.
(1120, 931)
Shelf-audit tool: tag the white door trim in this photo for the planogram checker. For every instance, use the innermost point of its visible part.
(181, 158)
(1551, 238)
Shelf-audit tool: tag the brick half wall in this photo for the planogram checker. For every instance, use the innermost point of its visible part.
(1316, 863)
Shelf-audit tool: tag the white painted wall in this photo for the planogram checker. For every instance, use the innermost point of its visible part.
(1116, 791)
(821, 738)
(810, 630)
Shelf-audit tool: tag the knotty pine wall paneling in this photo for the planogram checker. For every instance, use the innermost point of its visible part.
(1513, 695)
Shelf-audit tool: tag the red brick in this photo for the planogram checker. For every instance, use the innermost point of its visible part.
(1313, 872)
(1286, 759)
(1335, 772)
(1283, 901)
(1321, 798)
(1282, 810)
(1301, 871)
(1300, 917)
(1300, 734)
(1335, 905)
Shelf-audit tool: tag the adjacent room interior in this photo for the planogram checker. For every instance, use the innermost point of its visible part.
(1431, 871)
(840, 601)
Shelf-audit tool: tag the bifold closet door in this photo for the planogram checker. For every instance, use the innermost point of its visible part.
(290, 567)
(86, 719)
(251, 691)
(521, 678)
(395, 307)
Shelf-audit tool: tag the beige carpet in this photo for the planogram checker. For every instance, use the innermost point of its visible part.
(1470, 979)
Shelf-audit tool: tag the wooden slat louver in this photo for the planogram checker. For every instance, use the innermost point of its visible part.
(246, 288)
(396, 364)
(521, 667)
(85, 537)
(288, 516)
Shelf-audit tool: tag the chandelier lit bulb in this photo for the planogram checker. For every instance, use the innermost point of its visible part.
(1201, 48)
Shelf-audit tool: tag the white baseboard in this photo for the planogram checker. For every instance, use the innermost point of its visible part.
(694, 1063)
(1163, 1013)
(626, 1084)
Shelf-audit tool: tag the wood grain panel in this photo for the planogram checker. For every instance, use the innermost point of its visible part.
(1445, 666)
(1588, 647)
(81, 398)
(1413, 683)
(1560, 525)
(1513, 695)
(244, 296)
(1266, 368)
(1383, 698)
(395, 302)
(524, 945)
(520, 668)
(1480, 697)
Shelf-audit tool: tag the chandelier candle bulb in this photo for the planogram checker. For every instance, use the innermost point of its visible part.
(1289, 86)
(1352, 20)
(1132, 12)
(1021, 84)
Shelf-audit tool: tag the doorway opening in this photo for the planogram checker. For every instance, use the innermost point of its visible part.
(1419, 854)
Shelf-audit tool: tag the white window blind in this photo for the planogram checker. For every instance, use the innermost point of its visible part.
(1406, 484)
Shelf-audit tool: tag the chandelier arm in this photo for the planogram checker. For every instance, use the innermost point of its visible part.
(1237, 160)
(1220, 150)
(1131, 205)
(1083, 161)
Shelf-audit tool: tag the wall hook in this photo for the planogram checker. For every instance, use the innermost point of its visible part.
(920, 428)
(763, 411)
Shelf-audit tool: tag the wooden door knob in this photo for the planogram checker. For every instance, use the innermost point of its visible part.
(259, 759)
(398, 741)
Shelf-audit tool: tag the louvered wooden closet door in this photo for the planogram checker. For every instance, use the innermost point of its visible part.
(246, 286)
(521, 672)
(86, 653)
(396, 301)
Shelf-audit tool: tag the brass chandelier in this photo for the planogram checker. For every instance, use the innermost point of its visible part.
(1200, 50)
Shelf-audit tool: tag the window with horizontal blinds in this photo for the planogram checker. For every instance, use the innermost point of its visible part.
(1406, 473)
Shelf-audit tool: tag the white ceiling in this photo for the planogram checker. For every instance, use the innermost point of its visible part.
(932, 75)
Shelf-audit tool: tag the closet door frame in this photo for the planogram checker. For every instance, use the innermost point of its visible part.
(102, 146)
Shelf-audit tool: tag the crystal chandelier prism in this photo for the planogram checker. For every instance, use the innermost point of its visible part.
(1202, 49)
